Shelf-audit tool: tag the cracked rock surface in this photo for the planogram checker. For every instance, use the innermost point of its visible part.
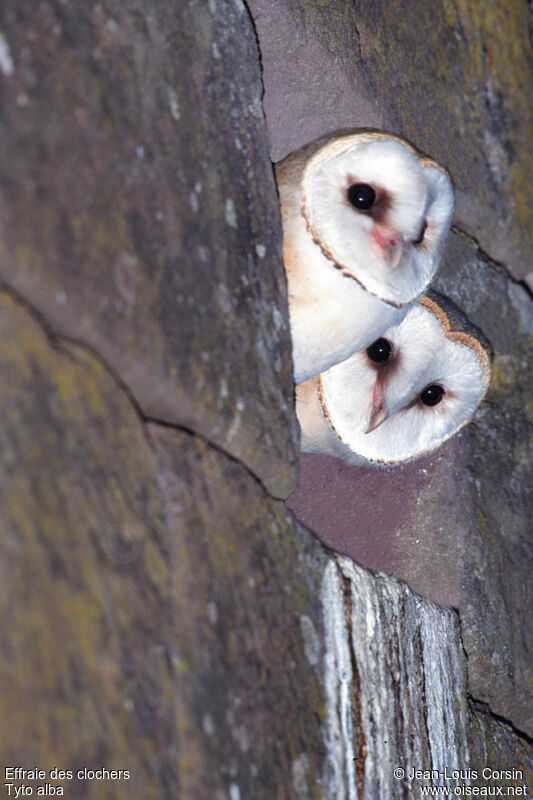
(138, 210)
(162, 611)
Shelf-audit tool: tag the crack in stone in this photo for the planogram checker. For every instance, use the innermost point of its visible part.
(258, 45)
(479, 708)
(261, 77)
(357, 718)
(65, 344)
(490, 260)
(214, 447)
(359, 56)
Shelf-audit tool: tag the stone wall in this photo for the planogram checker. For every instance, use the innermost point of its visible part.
(163, 612)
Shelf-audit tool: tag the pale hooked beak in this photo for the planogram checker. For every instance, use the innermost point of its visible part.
(378, 411)
(388, 243)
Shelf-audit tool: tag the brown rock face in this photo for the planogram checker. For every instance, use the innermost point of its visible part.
(162, 612)
(139, 211)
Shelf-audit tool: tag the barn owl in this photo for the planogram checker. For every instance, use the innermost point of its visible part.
(408, 392)
(364, 220)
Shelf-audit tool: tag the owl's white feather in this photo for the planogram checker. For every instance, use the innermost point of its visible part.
(429, 347)
(351, 273)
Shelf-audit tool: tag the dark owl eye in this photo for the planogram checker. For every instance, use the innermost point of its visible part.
(422, 233)
(361, 196)
(380, 351)
(432, 395)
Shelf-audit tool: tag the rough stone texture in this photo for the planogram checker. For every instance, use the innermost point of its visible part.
(311, 72)
(370, 516)
(86, 671)
(140, 634)
(138, 209)
(453, 78)
(495, 490)
(395, 678)
(459, 92)
(164, 616)
(162, 613)
(247, 624)
(456, 525)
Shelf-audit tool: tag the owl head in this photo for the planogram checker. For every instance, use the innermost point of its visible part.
(403, 396)
(379, 211)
